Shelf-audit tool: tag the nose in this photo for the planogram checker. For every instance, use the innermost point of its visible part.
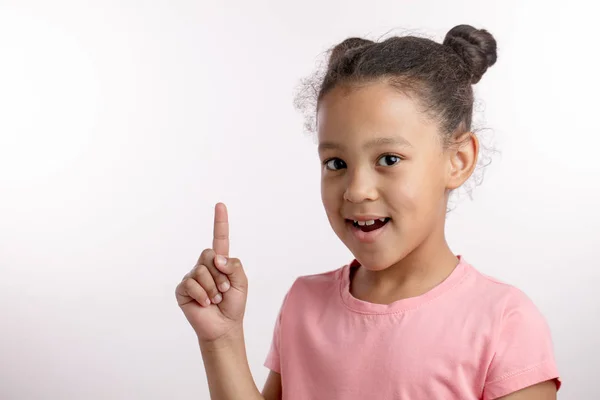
(360, 186)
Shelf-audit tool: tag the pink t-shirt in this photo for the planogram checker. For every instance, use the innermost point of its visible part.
(470, 337)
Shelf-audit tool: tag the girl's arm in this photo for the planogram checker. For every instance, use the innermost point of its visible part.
(272, 389)
(213, 297)
(227, 369)
(541, 391)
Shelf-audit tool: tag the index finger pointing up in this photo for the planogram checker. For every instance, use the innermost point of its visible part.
(221, 231)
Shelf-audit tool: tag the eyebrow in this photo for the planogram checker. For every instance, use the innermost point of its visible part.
(380, 141)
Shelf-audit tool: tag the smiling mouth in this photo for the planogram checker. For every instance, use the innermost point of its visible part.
(370, 225)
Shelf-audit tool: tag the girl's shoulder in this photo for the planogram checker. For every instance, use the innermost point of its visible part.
(319, 281)
(497, 297)
(315, 288)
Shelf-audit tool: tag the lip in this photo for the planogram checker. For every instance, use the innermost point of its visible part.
(364, 217)
(365, 237)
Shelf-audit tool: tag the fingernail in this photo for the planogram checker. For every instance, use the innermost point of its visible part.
(207, 302)
(217, 299)
(220, 260)
(223, 287)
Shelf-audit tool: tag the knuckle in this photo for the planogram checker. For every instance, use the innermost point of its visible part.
(201, 272)
(205, 278)
(187, 284)
(190, 273)
(206, 254)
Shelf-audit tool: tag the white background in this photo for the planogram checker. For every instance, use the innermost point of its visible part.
(122, 123)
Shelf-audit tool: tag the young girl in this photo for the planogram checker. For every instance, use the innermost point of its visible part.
(407, 318)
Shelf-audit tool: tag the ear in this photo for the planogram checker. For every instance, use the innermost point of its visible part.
(462, 159)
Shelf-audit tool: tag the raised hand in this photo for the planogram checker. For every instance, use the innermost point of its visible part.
(213, 294)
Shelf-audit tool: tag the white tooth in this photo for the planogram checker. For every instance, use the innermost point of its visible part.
(361, 223)
(382, 219)
(370, 222)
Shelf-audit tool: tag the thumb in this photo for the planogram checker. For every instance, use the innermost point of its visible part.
(232, 267)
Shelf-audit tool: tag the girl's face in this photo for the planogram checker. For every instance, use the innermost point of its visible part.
(383, 167)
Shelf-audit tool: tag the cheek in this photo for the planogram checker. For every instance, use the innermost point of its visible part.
(332, 202)
(329, 195)
(407, 195)
(419, 190)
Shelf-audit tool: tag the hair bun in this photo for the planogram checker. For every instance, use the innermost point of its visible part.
(477, 48)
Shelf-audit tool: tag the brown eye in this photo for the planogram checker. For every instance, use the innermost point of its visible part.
(334, 164)
(388, 160)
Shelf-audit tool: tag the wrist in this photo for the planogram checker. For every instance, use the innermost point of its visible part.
(230, 340)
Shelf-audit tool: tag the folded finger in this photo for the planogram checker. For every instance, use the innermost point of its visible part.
(203, 276)
(192, 289)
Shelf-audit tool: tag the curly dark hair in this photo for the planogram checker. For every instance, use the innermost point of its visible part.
(440, 76)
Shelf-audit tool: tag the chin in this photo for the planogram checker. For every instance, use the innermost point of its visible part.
(375, 261)
(374, 267)
(379, 258)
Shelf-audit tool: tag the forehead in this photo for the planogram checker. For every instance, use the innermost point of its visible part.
(359, 113)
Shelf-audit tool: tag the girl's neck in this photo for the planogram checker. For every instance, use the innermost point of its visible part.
(417, 273)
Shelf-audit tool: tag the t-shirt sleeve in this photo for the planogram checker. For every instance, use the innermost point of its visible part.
(273, 361)
(524, 354)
